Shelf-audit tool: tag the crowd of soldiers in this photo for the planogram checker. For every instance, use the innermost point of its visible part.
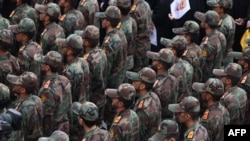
(70, 86)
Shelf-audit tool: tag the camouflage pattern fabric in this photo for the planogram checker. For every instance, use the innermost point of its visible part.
(4, 23)
(196, 132)
(56, 135)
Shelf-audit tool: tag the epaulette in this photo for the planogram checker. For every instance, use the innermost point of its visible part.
(190, 135)
(119, 25)
(205, 41)
(106, 40)
(46, 85)
(133, 8)
(62, 17)
(21, 48)
(185, 53)
(243, 80)
(44, 31)
(140, 105)
(43, 98)
(204, 53)
(205, 115)
(12, 13)
(86, 56)
(117, 119)
(41, 44)
(156, 82)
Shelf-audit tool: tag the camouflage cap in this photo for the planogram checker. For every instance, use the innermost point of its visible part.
(223, 3)
(52, 58)
(211, 17)
(4, 92)
(213, 85)
(6, 36)
(72, 41)
(25, 25)
(146, 74)
(188, 27)
(27, 79)
(88, 110)
(237, 55)
(90, 32)
(165, 55)
(188, 104)
(52, 9)
(111, 12)
(242, 55)
(123, 3)
(57, 135)
(167, 127)
(125, 91)
(232, 69)
(178, 42)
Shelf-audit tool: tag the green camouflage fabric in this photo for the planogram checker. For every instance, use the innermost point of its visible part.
(112, 12)
(23, 11)
(223, 3)
(88, 9)
(188, 27)
(90, 32)
(57, 135)
(73, 41)
(125, 90)
(198, 132)
(187, 104)
(72, 20)
(4, 92)
(232, 69)
(25, 25)
(167, 128)
(4, 23)
(210, 17)
(96, 135)
(51, 30)
(52, 58)
(213, 86)
(245, 84)
(165, 85)
(141, 12)
(148, 108)
(31, 128)
(146, 75)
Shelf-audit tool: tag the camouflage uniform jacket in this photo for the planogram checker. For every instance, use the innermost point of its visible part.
(48, 36)
(212, 48)
(196, 133)
(88, 9)
(97, 134)
(125, 126)
(148, 108)
(112, 46)
(235, 100)
(183, 71)
(9, 64)
(72, 20)
(4, 23)
(97, 61)
(26, 60)
(77, 71)
(56, 97)
(166, 88)
(214, 119)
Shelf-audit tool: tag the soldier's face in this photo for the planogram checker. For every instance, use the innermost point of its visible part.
(42, 16)
(104, 23)
(154, 65)
(61, 3)
(115, 102)
(17, 89)
(19, 36)
(202, 24)
(224, 80)
(182, 117)
(203, 96)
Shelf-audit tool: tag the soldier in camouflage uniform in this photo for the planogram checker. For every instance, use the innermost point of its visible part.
(234, 98)
(168, 130)
(57, 135)
(125, 126)
(55, 94)
(216, 115)
(4, 23)
(24, 32)
(165, 85)
(114, 46)
(71, 19)
(129, 26)
(212, 45)
(88, 9)
(4, 97)
(182, 69)
(88, 119)
(142, 14)
(97, 60)
(148, 104)
(227, 26)
(9, 63)
(188, 113)
(190, 31)
(49, 16)
(23, 86)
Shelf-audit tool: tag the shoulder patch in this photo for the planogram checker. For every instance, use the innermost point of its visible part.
(205, 41)
(119, 25)
(117, 119)
(21, 48)
(133, 8)
(61, 18)
(204, 53)
(107, 39)
(111, 132)
(44, 31)
(205, 115)
(43, 98)
(12, 13)
(140, 105)
(243, 80)
(86, 56)
(185, 53)
(190, 135)
(156, 82)
(46, 85)
(220, 22)
(41, 44)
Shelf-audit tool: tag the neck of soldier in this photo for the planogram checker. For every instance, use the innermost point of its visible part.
(2, 52)
(109, 29)
(161, 71)
(210, 102)
(209, 31)
(86, 49)
(70, 58)
(228, 86)
(190, 123)
(142, 92)
(120, 109)
(88, 129)
(22, 95)
(66, 8)
(48, 73)
(46, 22)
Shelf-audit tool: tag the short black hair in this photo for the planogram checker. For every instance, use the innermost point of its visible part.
(93, 42)
(127, 103)
(113, 21)
(234, 79)
(165, 65)
(89, 123)
(5, 46)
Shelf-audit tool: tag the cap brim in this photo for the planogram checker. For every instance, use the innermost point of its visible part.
(175, 108)
(198, 87)
(157, 137)
(39, 58)
(166, 42)
(40, 8)
(153, 55)
(14, 28)
(212, 3)
(200, 16)
(61, 42)
(133, 76)
(14, 79)
(219, 72)
(75, 107)
(79, 32)
(44, 139)
(179, 30)
(100, 15)
(111, 93)
(237, 55)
